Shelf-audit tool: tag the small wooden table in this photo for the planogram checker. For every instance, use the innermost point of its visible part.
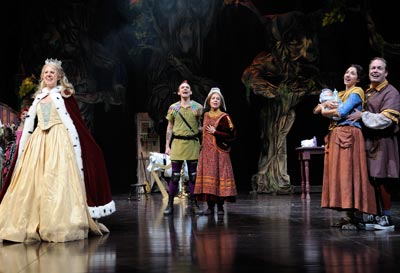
(304, 158)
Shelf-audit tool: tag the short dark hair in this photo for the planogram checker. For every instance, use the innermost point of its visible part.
(380, 59)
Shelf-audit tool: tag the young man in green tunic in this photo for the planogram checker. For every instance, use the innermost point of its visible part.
(184, 129)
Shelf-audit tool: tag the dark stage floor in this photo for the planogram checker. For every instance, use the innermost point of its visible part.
(259, 233)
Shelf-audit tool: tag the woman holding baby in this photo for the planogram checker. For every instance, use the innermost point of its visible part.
(346, 186)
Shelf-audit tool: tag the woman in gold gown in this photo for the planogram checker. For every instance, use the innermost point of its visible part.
(46, 198)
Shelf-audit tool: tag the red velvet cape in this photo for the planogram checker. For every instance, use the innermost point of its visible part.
(97, 183)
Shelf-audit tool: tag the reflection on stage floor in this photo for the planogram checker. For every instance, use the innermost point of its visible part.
(258, 233)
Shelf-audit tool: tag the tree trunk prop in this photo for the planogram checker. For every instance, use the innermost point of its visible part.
(277, 118)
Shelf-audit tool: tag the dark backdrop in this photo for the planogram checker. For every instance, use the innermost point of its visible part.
(240, 38)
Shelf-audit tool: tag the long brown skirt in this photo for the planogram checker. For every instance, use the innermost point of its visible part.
(345, 184)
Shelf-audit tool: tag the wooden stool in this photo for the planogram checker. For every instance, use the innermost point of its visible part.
(137, 187)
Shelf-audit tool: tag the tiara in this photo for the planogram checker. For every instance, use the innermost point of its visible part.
(53, 61)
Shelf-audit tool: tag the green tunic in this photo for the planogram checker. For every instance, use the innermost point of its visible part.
(182, 149)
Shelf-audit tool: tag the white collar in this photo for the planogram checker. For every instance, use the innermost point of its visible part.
(56, 89)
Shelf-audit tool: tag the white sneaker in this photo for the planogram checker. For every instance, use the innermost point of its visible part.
(383, 223)
(366, 226)
(367, 222)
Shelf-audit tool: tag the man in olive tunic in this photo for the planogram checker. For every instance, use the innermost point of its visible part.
(183, 128)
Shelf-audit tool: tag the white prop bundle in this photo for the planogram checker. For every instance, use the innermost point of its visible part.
(163, 160)
(309, 142)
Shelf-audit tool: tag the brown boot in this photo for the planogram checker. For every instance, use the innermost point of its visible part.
(170, 207)
(194, 207)
(220, 206)
(210, 209)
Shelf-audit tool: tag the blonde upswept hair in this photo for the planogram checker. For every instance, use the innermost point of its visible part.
(62, 80)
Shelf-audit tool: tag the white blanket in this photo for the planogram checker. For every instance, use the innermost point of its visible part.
(164, 160)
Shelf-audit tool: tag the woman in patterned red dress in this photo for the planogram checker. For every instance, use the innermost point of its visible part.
(215, 182)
